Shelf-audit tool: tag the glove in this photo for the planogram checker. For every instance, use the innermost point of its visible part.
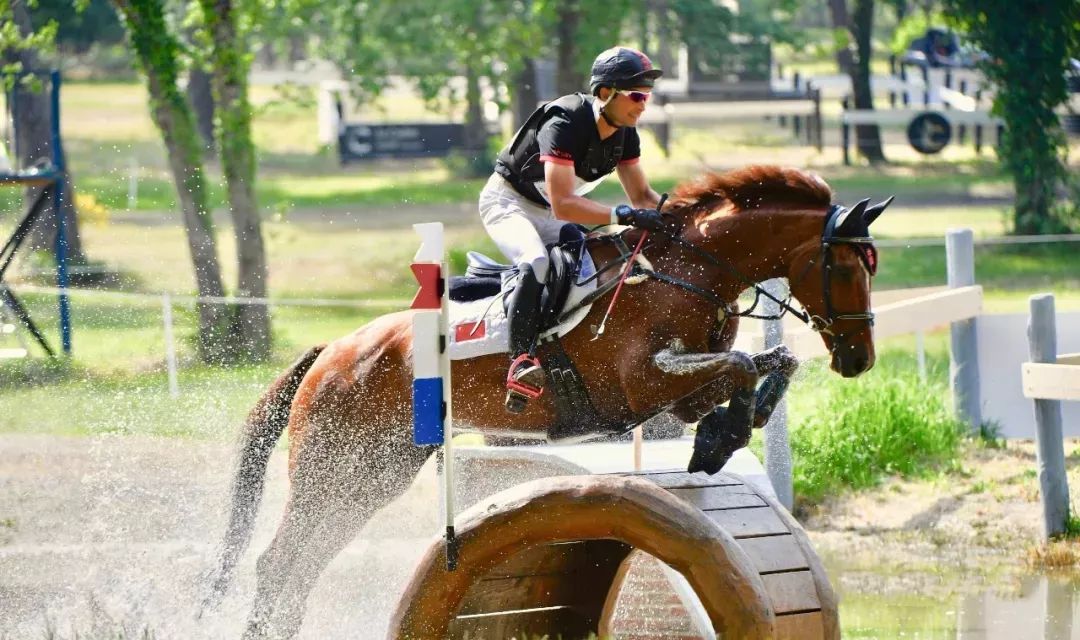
(647, 219)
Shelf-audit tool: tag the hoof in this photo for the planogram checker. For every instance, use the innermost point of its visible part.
(717, 440)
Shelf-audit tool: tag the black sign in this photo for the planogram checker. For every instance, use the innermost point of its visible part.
(929, 132)
(368, 141)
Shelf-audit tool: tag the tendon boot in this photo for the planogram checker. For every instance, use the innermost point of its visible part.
(722, 432)
(525, 378)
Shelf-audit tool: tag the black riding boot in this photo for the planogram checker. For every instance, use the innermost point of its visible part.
(525, 380)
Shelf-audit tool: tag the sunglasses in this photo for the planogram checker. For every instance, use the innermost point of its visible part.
(636, 96)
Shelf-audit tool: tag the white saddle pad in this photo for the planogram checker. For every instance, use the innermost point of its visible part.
(480, 328)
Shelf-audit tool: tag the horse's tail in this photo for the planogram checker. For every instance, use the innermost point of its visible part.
(263, 427)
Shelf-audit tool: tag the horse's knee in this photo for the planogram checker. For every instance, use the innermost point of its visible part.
(743, 372)
(779, 359)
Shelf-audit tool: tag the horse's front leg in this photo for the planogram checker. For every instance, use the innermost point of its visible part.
(712, 378)
(722, 430)
(776, 366)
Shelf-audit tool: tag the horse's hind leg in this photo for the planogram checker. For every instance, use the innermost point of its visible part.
(337, 484)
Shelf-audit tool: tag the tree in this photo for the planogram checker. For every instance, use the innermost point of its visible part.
(227, 333)
(230, 65)
(22, 47)
(1029, 43)
(859, 26)
(157, 51)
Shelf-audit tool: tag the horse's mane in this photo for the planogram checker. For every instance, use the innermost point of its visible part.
(749, 188)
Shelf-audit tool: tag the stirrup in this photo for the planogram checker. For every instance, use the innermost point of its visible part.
(524, 364)
(518, 393)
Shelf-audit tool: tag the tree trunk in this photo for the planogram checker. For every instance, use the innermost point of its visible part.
(237, 151)
(845, 59)
(569, 78)
(868, 137)
(476, 132)
(32, 111)
(201, 96)
(156, 51)
(525, 97)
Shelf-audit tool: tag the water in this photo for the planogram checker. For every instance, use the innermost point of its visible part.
(954, 604)
(108, 537)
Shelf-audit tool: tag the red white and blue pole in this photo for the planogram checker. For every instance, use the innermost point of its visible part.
(432, 415)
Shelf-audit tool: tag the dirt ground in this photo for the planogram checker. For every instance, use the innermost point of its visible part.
(981, 520)
(108, 533)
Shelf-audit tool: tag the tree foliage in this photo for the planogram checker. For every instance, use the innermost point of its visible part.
(13, 39)
(1029, 43)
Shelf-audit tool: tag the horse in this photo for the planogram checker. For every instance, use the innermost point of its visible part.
(347, 404)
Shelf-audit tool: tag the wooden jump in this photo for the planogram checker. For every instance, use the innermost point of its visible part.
(549, 557)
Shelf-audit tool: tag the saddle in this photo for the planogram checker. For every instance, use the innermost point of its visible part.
(485, 277)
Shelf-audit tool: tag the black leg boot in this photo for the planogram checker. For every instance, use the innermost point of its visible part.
(525, 379)
(721, 433)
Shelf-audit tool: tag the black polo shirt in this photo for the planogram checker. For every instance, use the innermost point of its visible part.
(564, 131)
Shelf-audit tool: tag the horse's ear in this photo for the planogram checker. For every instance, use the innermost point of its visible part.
(873, 212)
(850, 224)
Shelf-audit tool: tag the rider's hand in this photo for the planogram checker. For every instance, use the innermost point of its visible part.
(648, 219)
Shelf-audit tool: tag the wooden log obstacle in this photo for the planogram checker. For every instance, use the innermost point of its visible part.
(549, 558)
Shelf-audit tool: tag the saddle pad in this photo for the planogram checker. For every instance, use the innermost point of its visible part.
(480, 328)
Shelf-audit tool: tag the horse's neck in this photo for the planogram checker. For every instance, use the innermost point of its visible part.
(757, 245)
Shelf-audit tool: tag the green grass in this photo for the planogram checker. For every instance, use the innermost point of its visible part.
(849, 434)
(996, 266)
(108, 134)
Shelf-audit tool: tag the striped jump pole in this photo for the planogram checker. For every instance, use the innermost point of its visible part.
(432, 417)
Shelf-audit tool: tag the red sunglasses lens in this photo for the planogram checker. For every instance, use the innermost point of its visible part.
(638, 96)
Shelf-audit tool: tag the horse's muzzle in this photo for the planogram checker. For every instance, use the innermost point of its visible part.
(852, 361)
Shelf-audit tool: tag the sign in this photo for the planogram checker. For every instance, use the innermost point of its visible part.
(929, 132)
(369, 141)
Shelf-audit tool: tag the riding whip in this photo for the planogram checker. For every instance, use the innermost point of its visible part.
(626, 272)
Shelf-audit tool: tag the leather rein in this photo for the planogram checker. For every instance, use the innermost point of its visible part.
(819, 324)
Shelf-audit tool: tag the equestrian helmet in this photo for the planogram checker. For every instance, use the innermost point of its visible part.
(622, 68)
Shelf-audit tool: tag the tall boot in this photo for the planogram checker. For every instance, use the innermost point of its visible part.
(525, 379)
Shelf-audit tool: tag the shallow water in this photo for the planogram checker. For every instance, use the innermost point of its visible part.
(950, 604)
(108, 537)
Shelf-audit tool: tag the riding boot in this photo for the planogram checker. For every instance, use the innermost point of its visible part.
(525, 379)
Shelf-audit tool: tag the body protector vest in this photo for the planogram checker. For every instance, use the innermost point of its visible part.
(565, 131)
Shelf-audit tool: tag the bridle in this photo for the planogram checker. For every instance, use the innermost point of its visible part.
(820, 324)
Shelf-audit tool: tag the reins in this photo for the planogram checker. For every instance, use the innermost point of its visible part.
(815, 322)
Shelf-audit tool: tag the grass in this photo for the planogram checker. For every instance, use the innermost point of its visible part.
(850, 434)
(109, 138)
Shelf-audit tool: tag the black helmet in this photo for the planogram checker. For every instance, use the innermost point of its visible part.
(622, 68)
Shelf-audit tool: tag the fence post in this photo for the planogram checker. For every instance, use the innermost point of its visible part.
(903, 79)
(964, 347)
(133, 184)
(818, 136)
(1053, 484)
(170, 345)
(920, 354)
(777, 444)
(845, 132)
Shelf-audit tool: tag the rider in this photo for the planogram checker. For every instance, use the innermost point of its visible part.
(562, 152)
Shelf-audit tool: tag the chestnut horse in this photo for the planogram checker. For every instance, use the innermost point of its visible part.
(348, 409)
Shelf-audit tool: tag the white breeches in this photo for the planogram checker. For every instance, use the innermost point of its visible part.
(520, 228)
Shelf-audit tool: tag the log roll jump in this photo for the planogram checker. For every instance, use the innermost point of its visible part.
(546, 558)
